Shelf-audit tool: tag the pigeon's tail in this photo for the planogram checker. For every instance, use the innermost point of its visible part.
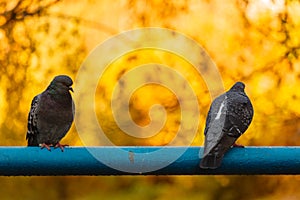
(32, 140)
(213, 154)
(211, 161)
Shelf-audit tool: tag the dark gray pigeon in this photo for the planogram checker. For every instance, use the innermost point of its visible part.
(228, 118)
(51, 114)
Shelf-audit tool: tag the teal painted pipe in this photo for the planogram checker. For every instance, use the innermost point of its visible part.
(27, 161)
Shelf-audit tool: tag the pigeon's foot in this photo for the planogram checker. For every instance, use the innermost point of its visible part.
(44, 145)
(238, 145)
(61, 146)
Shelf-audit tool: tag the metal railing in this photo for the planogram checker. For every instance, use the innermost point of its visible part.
(27, 161)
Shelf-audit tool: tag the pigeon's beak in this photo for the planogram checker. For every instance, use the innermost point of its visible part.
(70, 88)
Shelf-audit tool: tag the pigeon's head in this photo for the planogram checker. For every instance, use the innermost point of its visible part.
(238, 87)
(61, 84)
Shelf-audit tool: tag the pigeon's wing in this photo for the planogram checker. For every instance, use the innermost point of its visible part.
(214, 132)
(32, 130)
(240, 114)
(216, 109)
(208, 118)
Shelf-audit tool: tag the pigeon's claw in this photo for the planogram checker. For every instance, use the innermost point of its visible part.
(44, 145)
(61, 146)
(238, 145)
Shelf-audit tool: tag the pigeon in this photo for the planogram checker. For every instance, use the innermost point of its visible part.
(228, 118)
(51, 114)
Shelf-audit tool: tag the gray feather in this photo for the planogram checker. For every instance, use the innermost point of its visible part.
(228, 118)
(51, 114)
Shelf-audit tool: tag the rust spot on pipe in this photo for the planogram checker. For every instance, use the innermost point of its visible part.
(131, 156)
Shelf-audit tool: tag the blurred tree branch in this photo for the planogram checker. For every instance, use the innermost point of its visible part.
(22, 9)
(33, 45)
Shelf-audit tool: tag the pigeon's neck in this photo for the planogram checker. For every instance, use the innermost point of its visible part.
(237, 91)
(59, 95)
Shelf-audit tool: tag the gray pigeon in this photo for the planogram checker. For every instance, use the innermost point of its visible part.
(228, 118)
(51, 114)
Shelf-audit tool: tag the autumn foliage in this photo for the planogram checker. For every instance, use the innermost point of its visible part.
(256, 42)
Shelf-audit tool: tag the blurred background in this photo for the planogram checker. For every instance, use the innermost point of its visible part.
(254, 41)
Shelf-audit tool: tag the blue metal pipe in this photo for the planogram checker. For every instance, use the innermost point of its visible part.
(27, 161)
